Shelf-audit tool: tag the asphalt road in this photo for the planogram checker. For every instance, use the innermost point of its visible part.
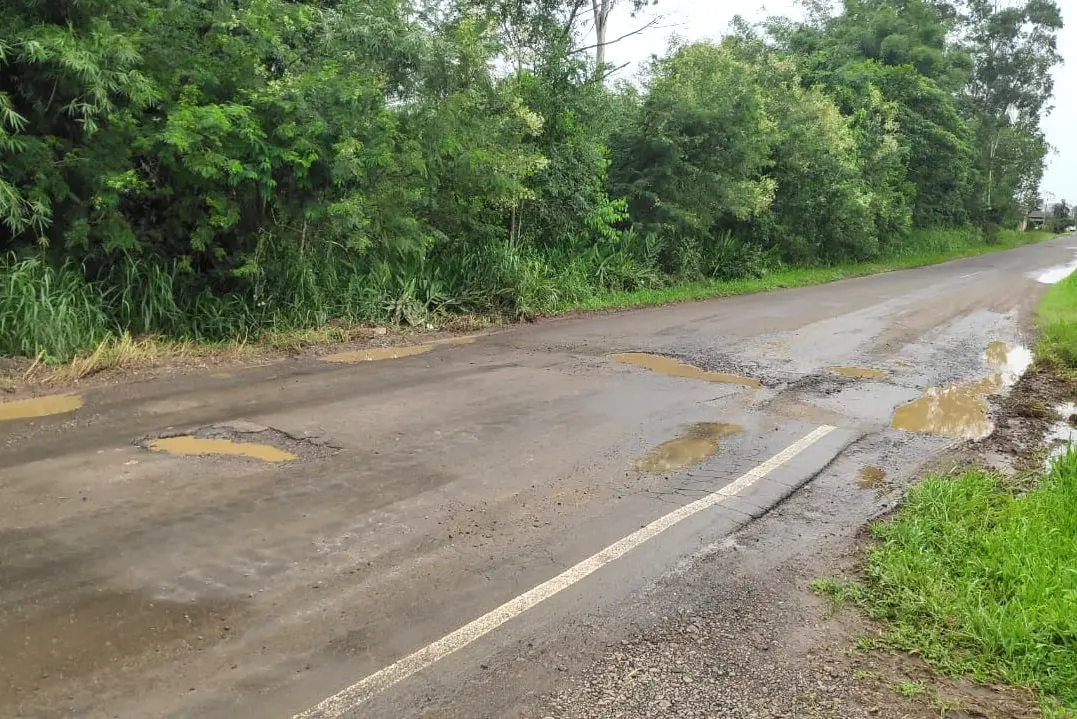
(455, 532)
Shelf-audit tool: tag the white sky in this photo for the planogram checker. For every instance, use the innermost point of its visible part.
(699, 19)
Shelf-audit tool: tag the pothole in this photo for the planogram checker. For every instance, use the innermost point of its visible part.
(676, 368)
(240, 439)
(961, 411)
(39, 406)
(699, 441)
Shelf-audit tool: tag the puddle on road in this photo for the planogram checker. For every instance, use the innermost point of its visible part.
(870, 478)
(1054, 275)
(961, 411)
(102, 631)
(39, 406)
(699, 442)
(860, 372)
(676, 368)
(187, 445)
(996, 354)
(378, 353)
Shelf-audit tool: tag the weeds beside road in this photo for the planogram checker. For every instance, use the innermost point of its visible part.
(977, 572)
(77, 334)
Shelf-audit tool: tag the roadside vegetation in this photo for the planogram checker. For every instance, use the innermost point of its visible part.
(977, 571)
(216, 171)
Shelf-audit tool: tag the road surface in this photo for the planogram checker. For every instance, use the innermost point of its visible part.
(455, 531)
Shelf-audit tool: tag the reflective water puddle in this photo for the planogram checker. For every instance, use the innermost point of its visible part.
(676, 368)
(1062, 434)
(870, 478)
(187, 445)
(700, 441)
(39, 406)
(861, 372)
(378, 353)
(1054, 275)
(961, 411)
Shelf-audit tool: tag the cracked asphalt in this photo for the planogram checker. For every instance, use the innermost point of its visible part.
(409, 497)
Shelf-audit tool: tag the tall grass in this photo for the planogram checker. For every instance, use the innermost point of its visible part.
(980, 580)
(57, 312)
(1058, 325)
(49, 311)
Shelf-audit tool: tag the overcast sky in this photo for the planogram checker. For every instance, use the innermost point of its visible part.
(699, 19)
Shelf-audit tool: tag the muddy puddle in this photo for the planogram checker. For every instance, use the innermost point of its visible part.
(187, 446)
(961, 411)
(676, 368)
(700, 441)
(858, 372)
(870, 478)
(378, 353)
(39, 406)
(101, 631)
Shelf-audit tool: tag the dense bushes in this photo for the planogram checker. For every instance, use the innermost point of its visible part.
(212, 169)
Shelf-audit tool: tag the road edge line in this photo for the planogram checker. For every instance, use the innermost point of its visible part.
(348, 698)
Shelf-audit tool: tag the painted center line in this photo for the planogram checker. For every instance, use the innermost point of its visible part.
(341, 703)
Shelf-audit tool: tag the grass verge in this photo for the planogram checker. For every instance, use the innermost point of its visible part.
(1057, 344)
(977, 573)
(981, 580)
(800, 277)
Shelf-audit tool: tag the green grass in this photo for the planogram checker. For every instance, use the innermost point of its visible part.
(932, 248)
(982, 581)
(56, 314)
(1058, 326)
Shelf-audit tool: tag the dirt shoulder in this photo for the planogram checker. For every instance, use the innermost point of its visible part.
(138, 360)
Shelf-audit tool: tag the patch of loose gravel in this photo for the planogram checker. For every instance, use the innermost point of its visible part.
(762, 653)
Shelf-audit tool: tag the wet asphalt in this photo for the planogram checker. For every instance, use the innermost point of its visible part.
(356, 511)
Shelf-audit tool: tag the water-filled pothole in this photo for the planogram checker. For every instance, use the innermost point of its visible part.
(240, 439)
(188, 445)
(697, 443)
(39, 406)
(675, 368)
(961, 411)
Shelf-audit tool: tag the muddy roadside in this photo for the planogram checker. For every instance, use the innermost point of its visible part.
(753, 637)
